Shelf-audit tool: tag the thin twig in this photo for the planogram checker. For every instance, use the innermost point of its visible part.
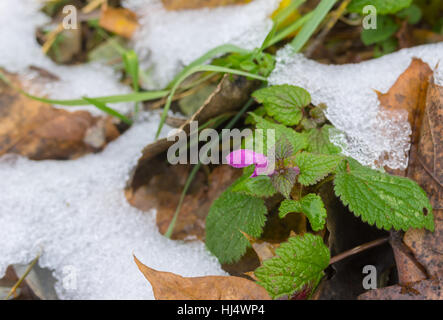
(329, 25)
(358, 249)
(24, 275)
(51, 38)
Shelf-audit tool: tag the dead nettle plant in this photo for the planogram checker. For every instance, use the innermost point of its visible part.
(304, 159)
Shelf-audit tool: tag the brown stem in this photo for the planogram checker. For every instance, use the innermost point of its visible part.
(358, 249)
(332, 21)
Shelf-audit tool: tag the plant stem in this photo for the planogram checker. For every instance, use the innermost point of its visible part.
(24, 275)
(358, 249)
(329, 25)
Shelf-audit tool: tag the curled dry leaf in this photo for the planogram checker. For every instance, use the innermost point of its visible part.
(196, 4)
(170, 286)
(39, 131)
(119, 20)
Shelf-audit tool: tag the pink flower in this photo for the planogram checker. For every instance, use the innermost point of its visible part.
(243, 158)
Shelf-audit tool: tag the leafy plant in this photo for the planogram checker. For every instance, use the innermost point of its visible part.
(390, 16)
(382, 6)
(304, 159)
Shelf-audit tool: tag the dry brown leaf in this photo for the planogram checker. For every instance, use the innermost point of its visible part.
(38, 131)
(264, 250)
(409, 93)
(163, 193)
(196, 4)
(119, 20)
(170, 286)
(419, 255)
(421, 290)
(231, 94)
(427, 169)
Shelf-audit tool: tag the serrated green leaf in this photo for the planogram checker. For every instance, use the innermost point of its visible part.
(231, 213)
(314, 167)
(283, 149)
(299, 262)
(318, 141)
(377, 197)
(284, 102)
(260, 186)
(298, 140)
(386, 27)
(283, 180)
(311, 205)
(382, 6)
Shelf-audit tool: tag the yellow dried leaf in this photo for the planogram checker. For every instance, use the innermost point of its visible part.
(119, 20)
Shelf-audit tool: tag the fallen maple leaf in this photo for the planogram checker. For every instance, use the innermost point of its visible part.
(119, 20)
(170, 286)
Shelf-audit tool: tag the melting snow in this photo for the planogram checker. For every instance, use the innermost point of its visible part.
(77, 214)
(353, 107)
(19, 50)
(169, 40)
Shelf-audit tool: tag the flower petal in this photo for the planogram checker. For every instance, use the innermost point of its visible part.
(243, 157)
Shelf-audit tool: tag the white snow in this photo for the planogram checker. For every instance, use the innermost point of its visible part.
(169, 40)
(353, 106)
(19, 20)
(76, 213)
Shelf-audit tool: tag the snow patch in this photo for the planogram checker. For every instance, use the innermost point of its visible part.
(76, 213)
(20, 50)
(353, 107)
(169, 40)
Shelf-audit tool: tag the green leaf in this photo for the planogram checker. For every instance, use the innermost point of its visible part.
(412, 13)
(314, 167)
(260, 186)
(386, 27)
(283, 180)
(318, 141)
(299, 262)
(377, 197)
(385, 47)
(298, 140)
(231, 213)
(382, 6)
(284, 102)
(283, 149)
(311, 205)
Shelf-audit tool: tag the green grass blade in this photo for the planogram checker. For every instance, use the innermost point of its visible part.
(286, 12)
(102, 106)
(290, 29)
(310, 26)
(129, 97)
(130, 61)
(182, 197)
(195, 69)
(217, 51)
